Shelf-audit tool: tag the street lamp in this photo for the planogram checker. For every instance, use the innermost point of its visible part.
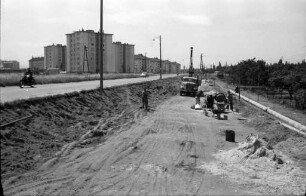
(160, 57)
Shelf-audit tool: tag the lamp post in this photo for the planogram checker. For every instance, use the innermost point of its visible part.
(160, 57)
(101, 45)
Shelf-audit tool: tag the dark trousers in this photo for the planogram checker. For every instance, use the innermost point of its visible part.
(231, 105)
(145, 103)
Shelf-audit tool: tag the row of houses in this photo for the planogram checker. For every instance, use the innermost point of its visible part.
(82, 54)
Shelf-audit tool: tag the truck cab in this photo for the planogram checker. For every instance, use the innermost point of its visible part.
(189, 85)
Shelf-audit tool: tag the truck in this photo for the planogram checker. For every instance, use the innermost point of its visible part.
(189, 85)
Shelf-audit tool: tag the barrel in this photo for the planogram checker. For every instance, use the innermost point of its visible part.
(225, 117)
(230, 135)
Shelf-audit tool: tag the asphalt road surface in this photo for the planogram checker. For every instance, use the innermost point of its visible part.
(8, 94)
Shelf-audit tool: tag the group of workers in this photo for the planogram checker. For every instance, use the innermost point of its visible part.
(210, 99)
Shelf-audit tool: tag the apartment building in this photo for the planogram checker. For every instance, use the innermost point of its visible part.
(154, 65)
(123, 55)
(175, 67)
(166, 66)
(55, 57)
(10, 65)
(37, 63)
(141, 63)
(82, 53)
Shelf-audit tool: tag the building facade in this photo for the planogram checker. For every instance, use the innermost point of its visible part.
(154, 65)
(55, 57)
(37, 63)
(123, 55)
(83, 53)
(141, 63)
(10, 65)
(166, 66)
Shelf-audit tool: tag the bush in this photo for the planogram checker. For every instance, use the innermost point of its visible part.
(300, 99)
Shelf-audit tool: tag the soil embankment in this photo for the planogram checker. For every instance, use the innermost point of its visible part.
(59, 120)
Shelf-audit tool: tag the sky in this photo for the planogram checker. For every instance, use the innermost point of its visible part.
(226, 31)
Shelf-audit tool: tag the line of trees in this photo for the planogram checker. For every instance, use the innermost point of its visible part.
(289, 77)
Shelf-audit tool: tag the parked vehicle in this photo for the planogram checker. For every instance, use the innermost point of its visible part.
(27, 81)
(144, 74)
(189, 85)
(219, 74)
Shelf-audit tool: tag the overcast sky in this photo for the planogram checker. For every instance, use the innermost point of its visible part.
(223, 30)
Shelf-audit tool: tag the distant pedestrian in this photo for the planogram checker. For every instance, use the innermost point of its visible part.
(230, 100)
(237, 89)
(144, 97)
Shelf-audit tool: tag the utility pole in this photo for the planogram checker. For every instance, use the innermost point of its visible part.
(258, 83)
(85, 59)
(101, 45)
(160, 56)
(145, 62)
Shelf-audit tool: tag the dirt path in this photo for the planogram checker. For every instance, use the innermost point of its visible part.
(161, 154)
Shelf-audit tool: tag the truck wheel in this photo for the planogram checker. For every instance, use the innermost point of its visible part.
(181, 93)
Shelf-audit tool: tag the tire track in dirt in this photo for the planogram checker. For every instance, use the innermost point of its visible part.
(147, 153)
(131, 144)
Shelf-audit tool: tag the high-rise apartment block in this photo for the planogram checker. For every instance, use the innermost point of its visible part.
(55, 57)
(83, 53)
(123, 56)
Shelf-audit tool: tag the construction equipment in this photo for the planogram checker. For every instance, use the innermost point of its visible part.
(191, 69)
(219, 103)
(202, 66)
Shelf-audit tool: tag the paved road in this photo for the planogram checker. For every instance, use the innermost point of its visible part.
(8, 94)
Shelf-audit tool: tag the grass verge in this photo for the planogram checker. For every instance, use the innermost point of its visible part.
(12, 79)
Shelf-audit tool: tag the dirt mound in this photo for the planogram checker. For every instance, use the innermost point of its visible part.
(61, 120)
(254, 161)
(255, 147)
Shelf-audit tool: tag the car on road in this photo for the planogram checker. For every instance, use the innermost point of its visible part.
(189, 85)
(144, 74)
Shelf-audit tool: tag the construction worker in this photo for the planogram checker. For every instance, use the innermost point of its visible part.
(144, 97)
(197, 97)
(237, 89)
(230, 100)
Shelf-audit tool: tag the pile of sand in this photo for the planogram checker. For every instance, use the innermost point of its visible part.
(254, 161)
(252, 150)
